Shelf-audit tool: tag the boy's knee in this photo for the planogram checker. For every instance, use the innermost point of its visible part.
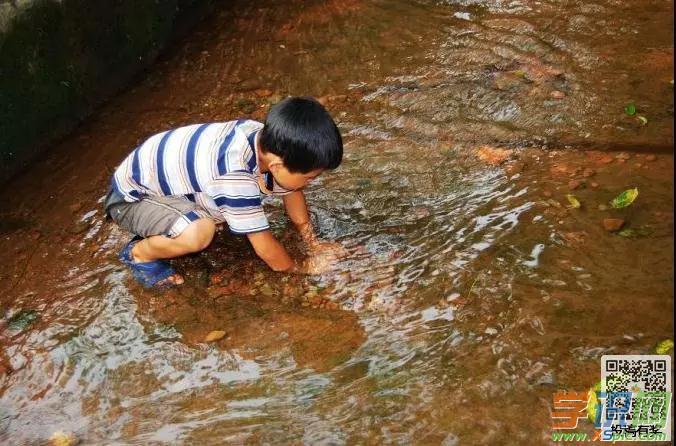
(198, 235)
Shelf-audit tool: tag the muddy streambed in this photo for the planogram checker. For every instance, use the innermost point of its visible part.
(473, 290)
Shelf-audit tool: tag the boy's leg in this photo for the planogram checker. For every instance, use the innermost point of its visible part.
(194, 238)
(171, 227)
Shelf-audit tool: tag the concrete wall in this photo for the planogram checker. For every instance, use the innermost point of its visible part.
(59, 59)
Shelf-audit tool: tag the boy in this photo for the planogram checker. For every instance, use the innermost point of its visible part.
(173, 189)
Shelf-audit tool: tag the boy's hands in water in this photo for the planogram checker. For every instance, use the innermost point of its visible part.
(322, 256)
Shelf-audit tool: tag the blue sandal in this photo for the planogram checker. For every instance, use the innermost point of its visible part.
(147, 274)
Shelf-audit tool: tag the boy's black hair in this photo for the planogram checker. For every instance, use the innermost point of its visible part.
(301, 132)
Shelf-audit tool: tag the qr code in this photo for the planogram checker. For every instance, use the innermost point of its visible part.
(636, 397)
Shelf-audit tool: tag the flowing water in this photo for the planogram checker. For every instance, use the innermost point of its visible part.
(472, 291)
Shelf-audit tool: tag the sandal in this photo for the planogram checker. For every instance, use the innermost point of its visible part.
(148, 274)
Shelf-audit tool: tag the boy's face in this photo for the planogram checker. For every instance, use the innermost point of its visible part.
(292, 180)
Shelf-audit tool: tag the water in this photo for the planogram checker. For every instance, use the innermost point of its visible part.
(472, 291)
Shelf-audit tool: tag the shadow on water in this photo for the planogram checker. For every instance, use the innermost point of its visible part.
(472, 291)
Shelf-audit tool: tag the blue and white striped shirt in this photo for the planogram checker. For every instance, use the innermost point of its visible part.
(213, 165)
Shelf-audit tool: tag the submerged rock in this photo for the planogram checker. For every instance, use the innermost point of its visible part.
(612, 224)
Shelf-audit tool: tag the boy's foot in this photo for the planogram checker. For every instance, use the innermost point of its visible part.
(156, 273)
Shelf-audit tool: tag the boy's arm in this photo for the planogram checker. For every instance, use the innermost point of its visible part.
(296, 209)
(273, 253)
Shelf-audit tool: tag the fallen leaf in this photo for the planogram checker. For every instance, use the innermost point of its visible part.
(574, 202)
(625, 198)
(663, 347)
(635, 232)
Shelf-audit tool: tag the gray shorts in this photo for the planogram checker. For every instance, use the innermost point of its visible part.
(168, 215)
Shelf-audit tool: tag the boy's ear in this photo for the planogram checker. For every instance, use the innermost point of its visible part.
(275, 165)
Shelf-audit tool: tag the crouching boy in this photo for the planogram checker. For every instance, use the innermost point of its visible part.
(174, 188)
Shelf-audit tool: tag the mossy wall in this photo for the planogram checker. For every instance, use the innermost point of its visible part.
(59, 59)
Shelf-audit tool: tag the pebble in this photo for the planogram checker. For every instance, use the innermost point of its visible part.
(612, 224)
(594, 184)
(605, 159)
(588, 172)
(516, 167)
(556, 94)
(214, 336)
(493, 155)
(263, 93)
(574, 184)
(651, 157)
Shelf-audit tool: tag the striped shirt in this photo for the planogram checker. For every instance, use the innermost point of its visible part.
(213, 165)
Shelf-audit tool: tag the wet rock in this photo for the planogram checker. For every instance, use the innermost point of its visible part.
(507, 81)
(612, 224)
(263, 93)
(421, 212)
(214, 336)
(575, 236)
(79, 227)
(560, 169)
(75, 207)
(588, 172)
(556, 94)
(267, 291)
(493, 155)
(575, 184)
(605, 159)
(516, 167)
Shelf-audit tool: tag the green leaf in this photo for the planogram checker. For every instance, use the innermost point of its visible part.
(664, 347)
(574, 202)
(642, 231)
(625, 198)
(593, 402)
(630, 109)
(642, 119)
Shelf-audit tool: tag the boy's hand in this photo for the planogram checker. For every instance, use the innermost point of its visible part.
(332, 248)
(318, 263)
(315, 246)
